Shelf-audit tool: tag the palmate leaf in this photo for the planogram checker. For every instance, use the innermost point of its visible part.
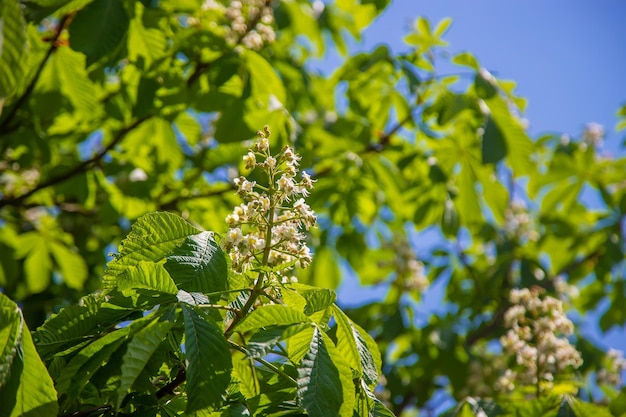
(209, 361)
(199, 265)
(98, 29)
(140, 349)
(153, 237)
(325, 385)
(27, 390)
(13, 47)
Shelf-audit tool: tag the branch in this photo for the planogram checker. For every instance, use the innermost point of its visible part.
(31, 86)
(181, 376)
(78, 169)
(88, 412)
(577, 263)
(386, 137)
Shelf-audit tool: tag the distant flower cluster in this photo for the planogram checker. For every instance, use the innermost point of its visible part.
(614, 365)
(593, 134)
(537, 333)
(266, 230)
(409, 270)
(519, 222)
(250, 21)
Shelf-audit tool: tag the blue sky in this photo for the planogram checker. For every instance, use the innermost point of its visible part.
(567, 57)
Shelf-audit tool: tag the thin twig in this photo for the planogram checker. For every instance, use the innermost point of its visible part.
(80, 168)
(181, 376)
(90, 411)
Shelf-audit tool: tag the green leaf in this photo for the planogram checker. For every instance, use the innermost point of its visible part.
(72, 265)
(353, 348)
(198, 264)
(450, 219)
(375, 408)
(99, 28)
(37, 266)
(13, 48)
(322, 389)
(262, 341)
(317, 299)
(519, 146)
(618, 404)
(541, 407)
(466, 59)
(150, 275)
(576, 408)
(28, 390)
(152, 238)
(145, 44)
(75, 324)
(85, 363)
(264, 79)
(140, 349)
(11, 327)
(442, 27)
(66, 73)
(245, 371)
(324, 271)
(494, 147)
(210, 363)
(272, 315)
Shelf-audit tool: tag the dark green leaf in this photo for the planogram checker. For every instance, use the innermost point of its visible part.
(152, 238)
(99, 28)
(493, 145)
(209, 361)
(319, 383)
(198, 264)
(140, 349)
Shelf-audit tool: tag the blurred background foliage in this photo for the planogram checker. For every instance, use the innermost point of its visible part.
(114, 108)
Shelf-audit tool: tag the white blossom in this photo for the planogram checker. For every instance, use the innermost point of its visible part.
(536, 339)
(267, 229)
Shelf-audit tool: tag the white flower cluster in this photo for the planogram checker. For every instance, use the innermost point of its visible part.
(250, 21)
(266, 230)
(537, 333)
(614, 366)
(518, 222)
(408, 268)
(593, 134)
